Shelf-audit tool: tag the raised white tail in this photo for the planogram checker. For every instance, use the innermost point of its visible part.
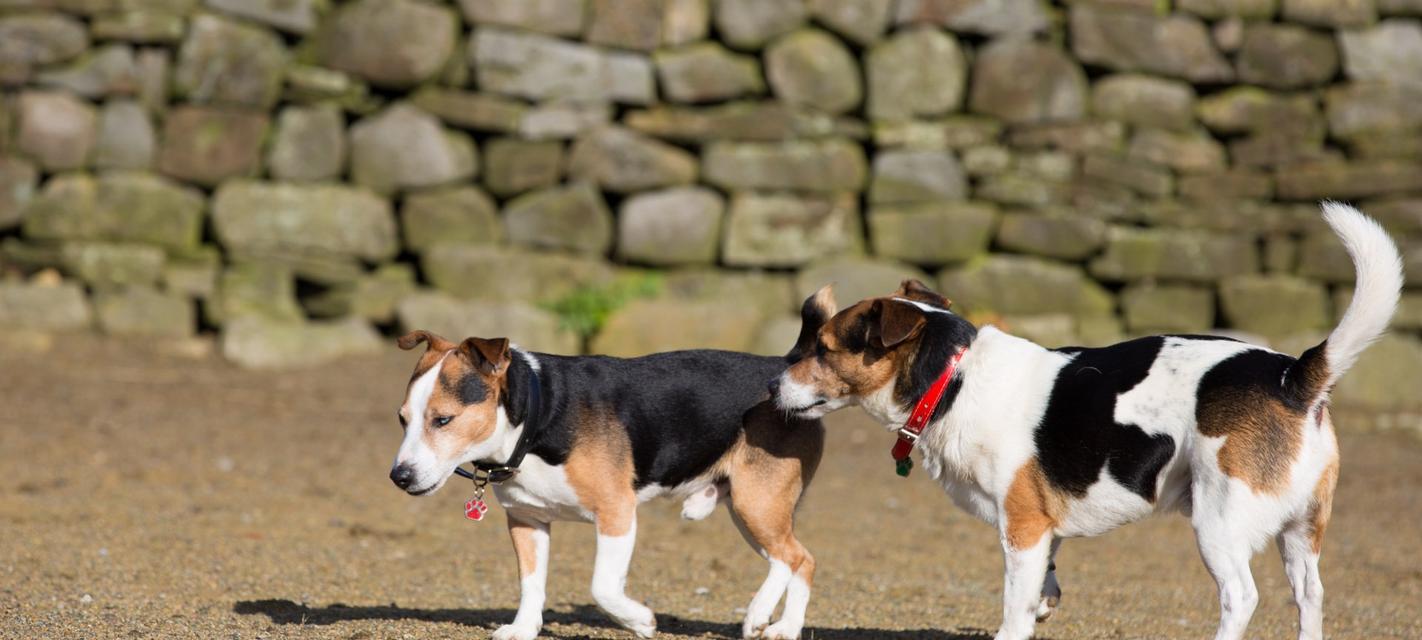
(1379, 283)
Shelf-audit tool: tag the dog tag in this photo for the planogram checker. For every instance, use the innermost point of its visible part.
(904, 467)
(475, 509)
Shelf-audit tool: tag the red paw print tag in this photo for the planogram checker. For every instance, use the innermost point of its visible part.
(475, 509)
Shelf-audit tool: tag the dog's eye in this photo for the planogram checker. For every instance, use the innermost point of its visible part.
(441, 421)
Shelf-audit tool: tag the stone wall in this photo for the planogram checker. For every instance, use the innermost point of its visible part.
(300, 176)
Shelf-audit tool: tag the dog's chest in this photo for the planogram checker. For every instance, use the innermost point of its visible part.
(541, 491)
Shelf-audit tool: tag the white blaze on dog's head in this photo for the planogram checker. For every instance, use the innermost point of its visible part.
(452, 412)
(866, 350)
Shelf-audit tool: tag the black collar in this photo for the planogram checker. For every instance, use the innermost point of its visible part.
(493, 472)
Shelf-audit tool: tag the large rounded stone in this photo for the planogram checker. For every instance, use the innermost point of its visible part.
(106, 265)
(1370, 108)
(56, 129)
(1331, 13)
(498, 273)
(309, 144)
(749, 24)
(514, 165)
(145, 312)
(671, 227)
(1274, 306)
(1373, 384)
(572, 217)
(259, 288)
(1066, 236)
(556, 17)
(1144, 101)
(622, 161)
(627, 24)
(125, 206)
(18, 179)
(1187, 152)
(707, 72)
(538, 67)
(1023, 81)
(320, 220)
(919, 72)
(126, 137)
(228, 62)
(932, 233)
(989, 17)
(32, 40)
(650, 326)
(812, 69)
(390, 43)
(449, 215)
(862, 21)
(1390, 51)
(916, 176)
(406, 148)
(801, 165)
(1175, 45)
(254, 343)
(112, 70)
(528, 326)
(1138, 254)
(293, 16)
(1019, 285)
(206, 145)
(1157, 308)
(1286, 56)
(61, 307)
(782, 230)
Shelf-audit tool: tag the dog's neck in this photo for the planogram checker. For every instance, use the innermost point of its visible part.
(514, 412)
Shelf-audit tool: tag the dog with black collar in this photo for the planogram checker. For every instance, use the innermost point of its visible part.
(1048, 444)
(589, 438)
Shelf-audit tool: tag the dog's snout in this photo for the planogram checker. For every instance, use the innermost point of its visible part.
(402, 475)
(774, 387)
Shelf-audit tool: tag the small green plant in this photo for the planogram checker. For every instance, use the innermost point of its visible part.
(584, 310)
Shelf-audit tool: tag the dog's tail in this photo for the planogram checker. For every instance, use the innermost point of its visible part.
(1379, 283)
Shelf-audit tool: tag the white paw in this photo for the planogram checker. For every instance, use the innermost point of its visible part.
(639, 621)
(700, 505)
(782, 631)
(516, 632)
(754, 627)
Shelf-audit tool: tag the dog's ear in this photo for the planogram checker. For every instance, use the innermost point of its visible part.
(912, 289)
(491, 356)
(816, 311)
(897, 321)
(414, 338)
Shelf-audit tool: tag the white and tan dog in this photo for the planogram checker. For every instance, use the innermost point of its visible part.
(1047, 444)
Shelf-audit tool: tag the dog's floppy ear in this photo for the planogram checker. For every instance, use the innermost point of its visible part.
(414, 338)
(491, 356)
(897, 320)
(816, 311)
(912, 289)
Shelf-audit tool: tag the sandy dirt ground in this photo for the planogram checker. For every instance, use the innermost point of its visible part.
(151, 496)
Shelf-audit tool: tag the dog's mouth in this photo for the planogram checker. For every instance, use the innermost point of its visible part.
(806, 408)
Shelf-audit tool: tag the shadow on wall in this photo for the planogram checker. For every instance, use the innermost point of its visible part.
(288, 612)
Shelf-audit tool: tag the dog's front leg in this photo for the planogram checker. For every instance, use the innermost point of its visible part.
(530, 541)
(616, 538)
(1025, 570)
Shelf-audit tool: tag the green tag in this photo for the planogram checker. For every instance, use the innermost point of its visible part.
(904, 466)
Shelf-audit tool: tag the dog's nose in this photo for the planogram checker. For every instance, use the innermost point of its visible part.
(774, 387)
(402, 475)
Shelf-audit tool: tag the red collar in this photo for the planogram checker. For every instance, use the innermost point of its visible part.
(918, 420)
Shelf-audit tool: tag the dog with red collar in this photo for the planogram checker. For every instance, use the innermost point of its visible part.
(564, 438)
(1048, 444)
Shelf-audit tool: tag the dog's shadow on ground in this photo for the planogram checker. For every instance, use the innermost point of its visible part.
(288, 612)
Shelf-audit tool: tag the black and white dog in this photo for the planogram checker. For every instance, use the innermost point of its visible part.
(589, 438)
(1047, 444)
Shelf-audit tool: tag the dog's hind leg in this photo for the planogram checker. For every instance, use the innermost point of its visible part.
(1051, 589)
(530, 541)
(1300, 543)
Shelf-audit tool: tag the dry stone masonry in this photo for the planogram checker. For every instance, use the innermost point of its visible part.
(300, 177)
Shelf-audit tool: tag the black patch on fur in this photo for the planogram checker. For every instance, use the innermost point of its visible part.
(469, 388)
(682, 410)
(812, 317)
(1079, 435)
(943, 335)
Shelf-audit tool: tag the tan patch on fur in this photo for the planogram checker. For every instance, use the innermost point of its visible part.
(1263, 437)
(1031, 507)
(599, 468)
(472, 423)
(768, 469)
(1321, 509)
(524, 546)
